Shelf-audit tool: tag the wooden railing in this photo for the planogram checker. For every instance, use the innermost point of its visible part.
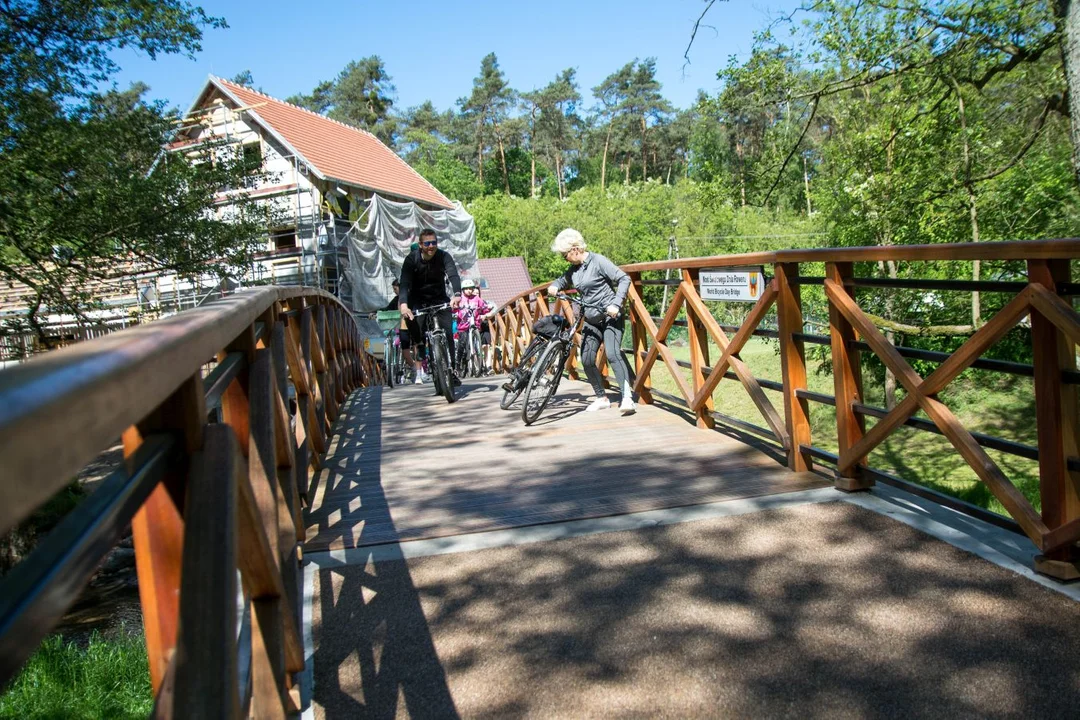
(204, 498)
(1042, 295)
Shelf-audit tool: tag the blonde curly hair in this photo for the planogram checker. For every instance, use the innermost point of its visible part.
(567, 240)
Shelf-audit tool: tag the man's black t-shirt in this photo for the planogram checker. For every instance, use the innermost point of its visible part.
(424, 283)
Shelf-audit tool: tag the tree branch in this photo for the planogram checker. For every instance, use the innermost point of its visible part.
(794, 149)
(693, 33)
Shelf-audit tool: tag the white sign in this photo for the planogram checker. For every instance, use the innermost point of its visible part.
(736, 285)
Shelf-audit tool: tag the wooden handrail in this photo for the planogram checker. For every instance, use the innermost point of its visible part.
(187, 485)
(1055, 333)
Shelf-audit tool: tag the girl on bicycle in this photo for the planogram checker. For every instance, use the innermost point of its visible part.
(600, 283)
(471, 312)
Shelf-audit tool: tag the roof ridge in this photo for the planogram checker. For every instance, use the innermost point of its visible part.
(347, 126)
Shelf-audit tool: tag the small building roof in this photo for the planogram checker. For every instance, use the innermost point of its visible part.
(504, 278)
(332, 150)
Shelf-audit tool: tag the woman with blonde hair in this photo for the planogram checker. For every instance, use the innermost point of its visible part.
(601, 284)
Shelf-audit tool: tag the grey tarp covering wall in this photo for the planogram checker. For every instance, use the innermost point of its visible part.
(377, 251)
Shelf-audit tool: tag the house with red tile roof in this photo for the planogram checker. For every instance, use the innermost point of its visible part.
(501, 279)
(322, 174)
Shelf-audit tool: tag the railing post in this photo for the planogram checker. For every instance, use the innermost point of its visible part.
(1057, 423)
(639, 336)
(158, 527)
(793, 364)
(698, 340)
(847, 381)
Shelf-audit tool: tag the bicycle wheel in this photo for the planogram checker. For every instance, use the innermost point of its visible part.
(543, 380)
(476, 357)
(389, 361)
(520, 375)
(440, 359)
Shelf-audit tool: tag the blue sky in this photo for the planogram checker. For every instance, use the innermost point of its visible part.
(432, 50)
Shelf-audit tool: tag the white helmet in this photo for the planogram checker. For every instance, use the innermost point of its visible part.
(468, 283)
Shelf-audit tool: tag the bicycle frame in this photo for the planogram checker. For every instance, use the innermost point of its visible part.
(439, 359)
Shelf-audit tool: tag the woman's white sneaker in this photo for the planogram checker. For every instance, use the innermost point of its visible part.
(627, 407)
(598, 404)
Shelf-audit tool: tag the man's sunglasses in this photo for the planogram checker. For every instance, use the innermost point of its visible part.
(430, 243)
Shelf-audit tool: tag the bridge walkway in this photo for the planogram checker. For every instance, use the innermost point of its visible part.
(460, 564)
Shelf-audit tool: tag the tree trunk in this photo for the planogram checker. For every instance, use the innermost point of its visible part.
(806, 186)
(890, 308)
(480, 148)
(502, 160)
(559, 175)
(603, 162)
(532, 176)
(890, 268)
(1070, 12)
(973, 207)
(644, 153)
(627, 180)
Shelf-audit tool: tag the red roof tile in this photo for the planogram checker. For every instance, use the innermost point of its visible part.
(504, 277)
(335, 150)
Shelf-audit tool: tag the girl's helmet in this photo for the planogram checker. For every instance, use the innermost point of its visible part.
(468, 283)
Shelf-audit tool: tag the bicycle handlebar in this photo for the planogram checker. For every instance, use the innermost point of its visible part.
(579, 301)
(431, 309)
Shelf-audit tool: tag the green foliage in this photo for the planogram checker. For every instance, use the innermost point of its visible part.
(454, 178)
(63, 48)
(244, 78)
(628, 224)
(83, 180)
(362, 95)
(107, 678)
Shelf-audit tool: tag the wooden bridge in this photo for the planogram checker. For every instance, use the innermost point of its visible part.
(324, 545)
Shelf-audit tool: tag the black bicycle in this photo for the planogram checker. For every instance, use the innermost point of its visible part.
(442, 373)
(540, 369)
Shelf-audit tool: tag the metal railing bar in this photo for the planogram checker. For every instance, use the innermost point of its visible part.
(37, 591)
(670, 283)
(1006, 446)
(749, 427)
(219, 378)
(996, 443)
(1004, 366)
(816, 397)
(728, 328)
(734, 422)
(912, 284)
(812, 338)
(940, 498)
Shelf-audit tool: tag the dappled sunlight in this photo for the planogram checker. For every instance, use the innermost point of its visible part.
(690, 619)
(822, 610)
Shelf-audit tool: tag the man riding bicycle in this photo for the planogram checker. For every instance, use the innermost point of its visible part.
(423, 284)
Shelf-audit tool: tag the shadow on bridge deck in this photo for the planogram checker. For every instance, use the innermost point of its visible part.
(406, 465)
(807, 610)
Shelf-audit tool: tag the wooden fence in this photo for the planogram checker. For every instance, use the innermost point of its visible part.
(204, 499)
(1043, 295)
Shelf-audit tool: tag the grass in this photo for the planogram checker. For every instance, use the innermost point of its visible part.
(106, 678)
(987, 402)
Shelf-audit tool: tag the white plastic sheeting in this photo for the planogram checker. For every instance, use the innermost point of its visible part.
(377, 251)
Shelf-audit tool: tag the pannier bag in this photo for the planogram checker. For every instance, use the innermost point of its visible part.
(549, 325)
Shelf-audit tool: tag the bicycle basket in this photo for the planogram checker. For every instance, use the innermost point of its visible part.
(549, 325)
(388, 320)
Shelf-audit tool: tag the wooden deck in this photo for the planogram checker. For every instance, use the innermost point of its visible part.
(405, 465)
